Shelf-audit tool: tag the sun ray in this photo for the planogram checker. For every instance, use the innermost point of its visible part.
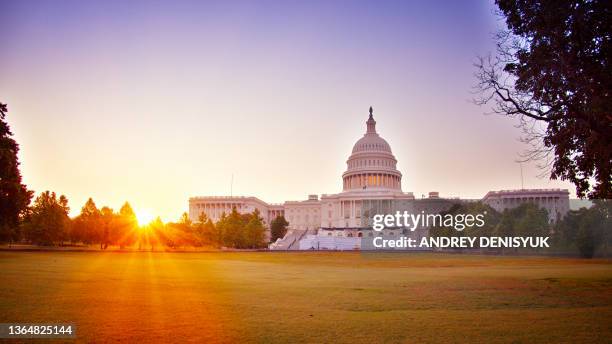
(144, 217)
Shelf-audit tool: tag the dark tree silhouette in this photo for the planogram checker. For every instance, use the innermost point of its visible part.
(47, 222)
(88, 226)
(14, 196)
(278, 228)
(552, 71)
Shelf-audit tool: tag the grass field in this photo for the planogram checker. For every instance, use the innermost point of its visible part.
(309, 297)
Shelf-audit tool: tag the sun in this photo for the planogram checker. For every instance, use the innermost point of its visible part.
(144, 217)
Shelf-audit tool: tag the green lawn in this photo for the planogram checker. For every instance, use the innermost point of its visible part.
(309, 297)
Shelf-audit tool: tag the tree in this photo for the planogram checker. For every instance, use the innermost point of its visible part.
(490, 216)
(231, 226)
(255, 231)
(241, 230)
(527, 220)
(532, 221)
(588, 229)
(552, 72)
(181, 233)
(127, 225)
(153, 233)
(87, 227)
(14, 196)
(278, 228)
(109, 231)
(47, 222)
(188, 231)
(207, 232)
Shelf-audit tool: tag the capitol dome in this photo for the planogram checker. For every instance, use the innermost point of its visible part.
(371, 165)
(371, 143)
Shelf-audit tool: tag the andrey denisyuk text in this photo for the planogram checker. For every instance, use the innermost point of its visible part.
(457, 221)
(461, 242)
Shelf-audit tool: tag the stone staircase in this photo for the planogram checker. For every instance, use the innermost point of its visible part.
(290, 242)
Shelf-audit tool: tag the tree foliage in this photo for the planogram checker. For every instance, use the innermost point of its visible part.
(14, 196)
(491, 220)
(552, 71)
(108, 227)
(588, 229)
(47, 222)
(88, 226)
(241, 230)
(207, 231)
(126, 225)
(526, 220)
(278, 228)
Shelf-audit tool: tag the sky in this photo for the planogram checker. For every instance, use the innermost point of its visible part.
(153, 102)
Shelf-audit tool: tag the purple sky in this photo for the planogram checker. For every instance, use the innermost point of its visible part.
(154, 102)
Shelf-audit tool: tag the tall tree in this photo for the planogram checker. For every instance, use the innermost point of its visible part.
(109, 224)
(207, 232)
(231, 227)
(552, 71)
(47, 223)
(127, 225)
(255, 232)
(14, 196)
(87, 227)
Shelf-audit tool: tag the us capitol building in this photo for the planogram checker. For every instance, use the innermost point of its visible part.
(371, 185)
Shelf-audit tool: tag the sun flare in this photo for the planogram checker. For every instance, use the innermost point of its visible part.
(144, 217)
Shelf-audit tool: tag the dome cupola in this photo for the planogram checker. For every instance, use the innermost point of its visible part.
(371, 165)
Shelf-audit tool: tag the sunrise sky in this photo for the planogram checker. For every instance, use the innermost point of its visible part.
(154, 102)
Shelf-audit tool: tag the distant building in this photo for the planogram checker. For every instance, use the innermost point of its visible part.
(215, 206)
(555, 201)
(371, 185)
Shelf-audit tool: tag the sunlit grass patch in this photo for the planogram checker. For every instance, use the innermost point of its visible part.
(309, 297)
